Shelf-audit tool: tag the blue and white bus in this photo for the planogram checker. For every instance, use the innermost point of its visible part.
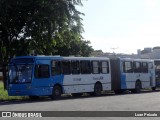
(55, 75)
(132, 74)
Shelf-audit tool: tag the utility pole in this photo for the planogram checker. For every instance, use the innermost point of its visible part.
(114, 49)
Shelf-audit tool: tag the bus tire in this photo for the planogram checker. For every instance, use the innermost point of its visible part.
(97, 89)
(153, 88)
(56, 93)
(138, 87)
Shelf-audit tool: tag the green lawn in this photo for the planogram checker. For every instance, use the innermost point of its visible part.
(4, 94)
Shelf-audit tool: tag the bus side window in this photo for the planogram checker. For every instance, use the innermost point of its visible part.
(42, 71)
(127, 67)
(150, 65)
(95, 66)
(85, 67)
(104, 67)
(66, 67)
(137, 67)
(56, 68)
(144, 67)
(75, 68)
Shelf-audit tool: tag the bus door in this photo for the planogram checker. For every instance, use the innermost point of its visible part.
(137, 71)
(127, 76)
(42, 73)
(151, 71)
(157, 73)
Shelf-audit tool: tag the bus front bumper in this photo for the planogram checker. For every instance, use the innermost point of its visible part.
(42, 91)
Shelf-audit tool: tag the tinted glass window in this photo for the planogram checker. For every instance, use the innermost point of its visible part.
(23, 60)
(104, 67)
(95, 65)
(75, 68)
(137, 67)
(127, 67)
(144, 67)
(150, 65)
(85, 67)
(66, 67)
(42, 71)
(56, 67)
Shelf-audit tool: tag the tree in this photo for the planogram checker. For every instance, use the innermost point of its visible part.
(45, 26)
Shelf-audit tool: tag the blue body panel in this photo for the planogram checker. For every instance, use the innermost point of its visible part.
(38, 86)
(28, 90)
(123, 77)
(123, 81)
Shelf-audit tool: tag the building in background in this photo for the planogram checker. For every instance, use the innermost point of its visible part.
(146, 53)
(150, 53)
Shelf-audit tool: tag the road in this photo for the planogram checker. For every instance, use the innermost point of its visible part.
(145, 101)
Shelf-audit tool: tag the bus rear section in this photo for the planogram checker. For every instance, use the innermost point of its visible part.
(132, 74)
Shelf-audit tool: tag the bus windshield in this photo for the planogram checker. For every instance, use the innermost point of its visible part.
(20, 73)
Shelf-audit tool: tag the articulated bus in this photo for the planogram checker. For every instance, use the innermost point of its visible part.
(132, 74)
(55, 75)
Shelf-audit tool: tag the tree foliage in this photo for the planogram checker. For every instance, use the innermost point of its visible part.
(46, 26)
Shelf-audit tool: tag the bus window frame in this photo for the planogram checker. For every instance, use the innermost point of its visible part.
(77, 67)
(124, 67)
(99, 71)
(62, 70)
(89, 69)
(59, 70)
(107, 67)
(135, 69)
(145, 70)
(37, 71)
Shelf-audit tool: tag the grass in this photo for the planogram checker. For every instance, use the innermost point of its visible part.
(4, 94)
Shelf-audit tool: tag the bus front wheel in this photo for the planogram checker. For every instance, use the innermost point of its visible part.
(56, 93)
(153, 88)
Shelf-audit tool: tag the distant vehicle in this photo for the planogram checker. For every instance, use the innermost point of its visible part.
(132, 74)
(54, 75)
(157, 71)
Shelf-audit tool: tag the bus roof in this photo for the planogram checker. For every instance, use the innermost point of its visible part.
(62, 58)
(135, 59)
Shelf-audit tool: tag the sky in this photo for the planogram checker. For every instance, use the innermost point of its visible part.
(125, 25)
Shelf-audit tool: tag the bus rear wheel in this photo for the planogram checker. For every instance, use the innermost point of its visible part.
(56, 93)
(97, 89)
(138, 87)
(153, 88)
